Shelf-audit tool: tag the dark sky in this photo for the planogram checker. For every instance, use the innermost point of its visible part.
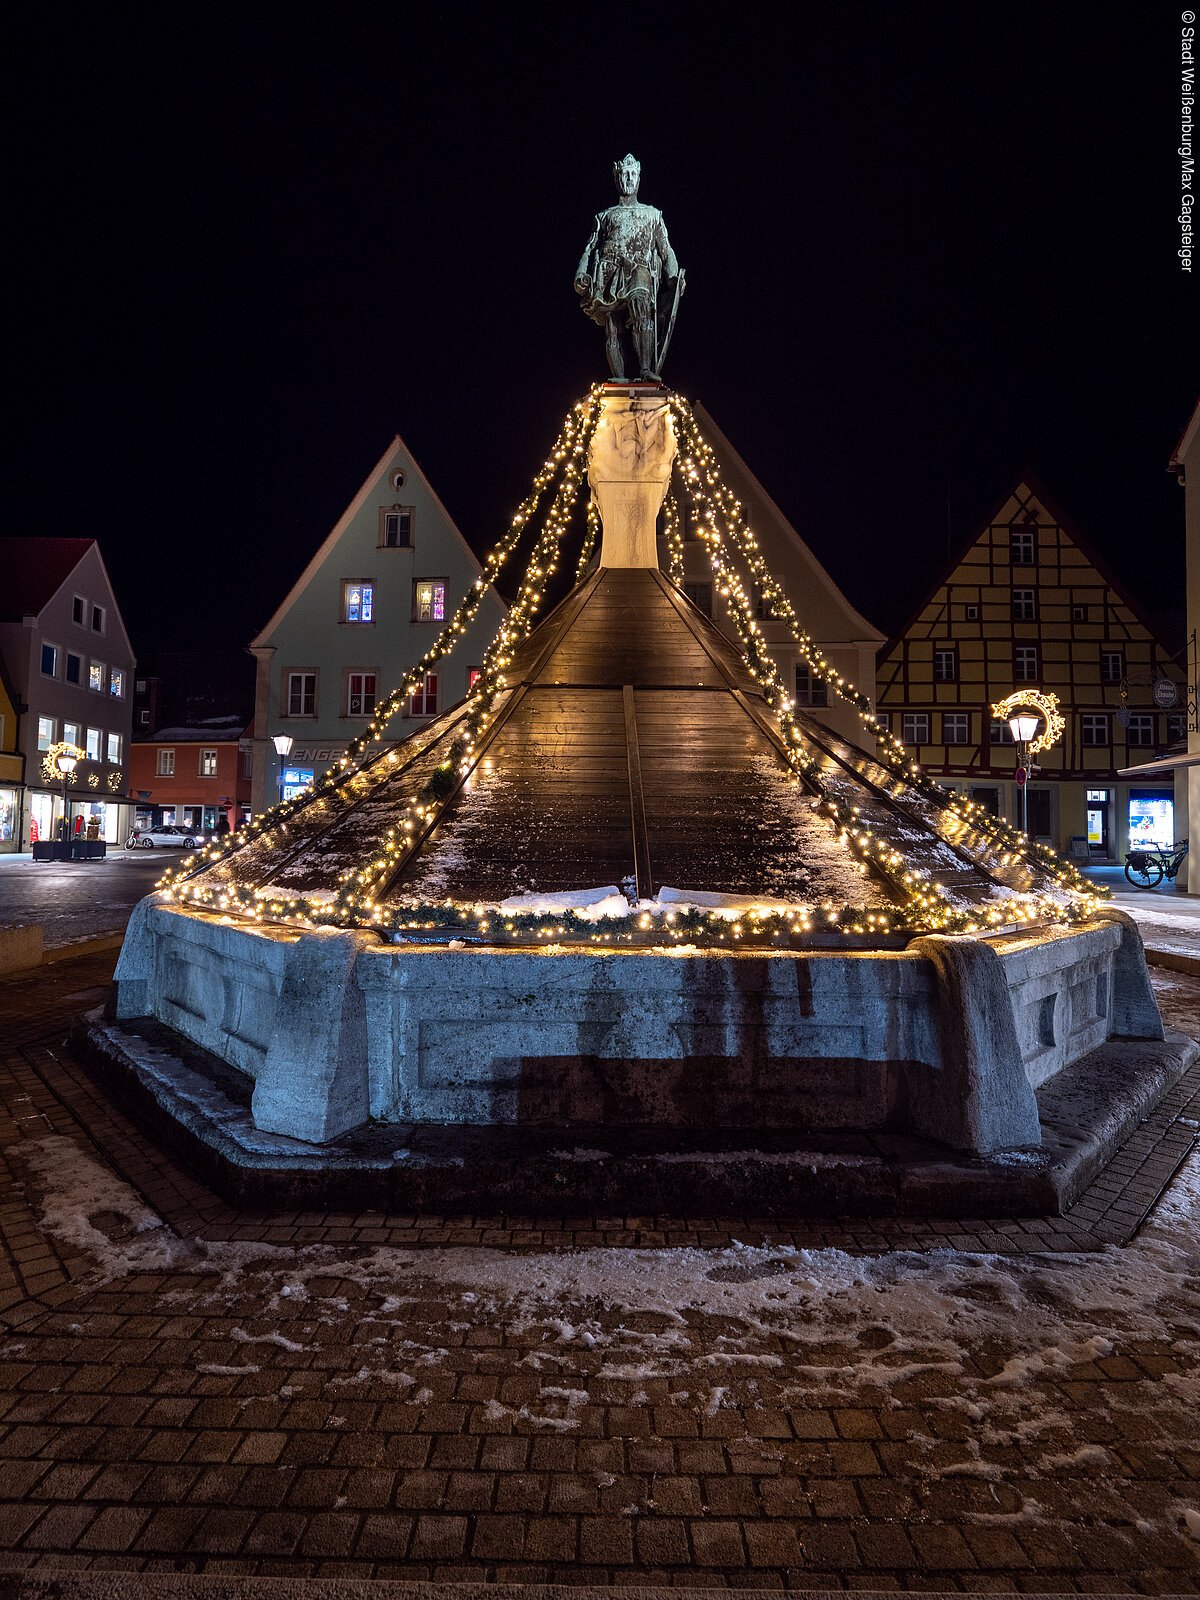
(926, 245)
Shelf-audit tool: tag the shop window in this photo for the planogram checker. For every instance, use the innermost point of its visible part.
(945, 665)
(45, 737)
(96, 676)
(302, 694)
(114, 750)
(1024, 605)
(208, 763)
(1151, 818)
(700, 594)
(1140, 732)
(1093, 730)
(358, 602)
(988, 798)
(1112, 666)
(78, 610)
(360, 694)
(429, 600)
(1025, 663)
(811, 688)
(74, 669)
(116, 683)
(49, 661)
(396, 528)
(424, 701)
(294, 781)
(92, 744)
(915, 726)
(956, 727)
(165, 766)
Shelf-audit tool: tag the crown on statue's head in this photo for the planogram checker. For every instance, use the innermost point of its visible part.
(629, 160)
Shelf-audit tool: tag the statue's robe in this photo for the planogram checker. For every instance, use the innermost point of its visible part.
(627, 254)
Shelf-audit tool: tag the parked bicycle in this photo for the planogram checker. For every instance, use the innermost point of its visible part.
(1148, 866)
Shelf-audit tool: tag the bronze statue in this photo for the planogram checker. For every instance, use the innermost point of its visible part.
(628, 274)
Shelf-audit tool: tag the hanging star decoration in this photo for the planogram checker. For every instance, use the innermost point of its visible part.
(1046, 705)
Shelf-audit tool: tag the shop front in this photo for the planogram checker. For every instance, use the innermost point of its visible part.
(87, 817)
(1151, 817)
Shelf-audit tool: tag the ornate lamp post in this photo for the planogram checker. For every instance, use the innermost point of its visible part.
(66, 764)
(1024, 725)
(283, 748)
(1023, 710)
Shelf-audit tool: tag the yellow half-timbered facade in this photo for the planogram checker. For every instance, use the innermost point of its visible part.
(1028, 605)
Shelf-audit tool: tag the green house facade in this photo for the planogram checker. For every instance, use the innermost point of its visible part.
(374, 597)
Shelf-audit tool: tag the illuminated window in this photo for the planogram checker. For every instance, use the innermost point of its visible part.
(945, 665)
(45, 732)
(74, 673)
(700, 594)
(956, 727)
(71, 733)
(1112, 666)
(358, 602)
(208, 763)
(1024, 605)
(1025, 663)
(915, 727)
(96, 676)
(811, 688)
(424, 701)
(1022, 544)
(165, 767)
(1094, 730)
(762, 607)
(49, 661)
(429, 600)
(396, 528)
(114, 749)
(302, 694)
(473, 676)
(1140, 731)
(92, 744)
(360, 694)
(116, 684)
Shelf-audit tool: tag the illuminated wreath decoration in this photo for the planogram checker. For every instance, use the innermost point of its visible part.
(49, 770)
(1046, 706)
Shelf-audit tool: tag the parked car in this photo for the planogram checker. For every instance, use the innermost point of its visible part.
(166, 835)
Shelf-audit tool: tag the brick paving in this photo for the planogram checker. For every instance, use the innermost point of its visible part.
(186, 1387)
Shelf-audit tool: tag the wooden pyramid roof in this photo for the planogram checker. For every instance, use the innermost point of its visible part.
(630, 746)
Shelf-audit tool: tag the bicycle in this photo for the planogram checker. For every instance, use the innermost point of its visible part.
(1146, 868)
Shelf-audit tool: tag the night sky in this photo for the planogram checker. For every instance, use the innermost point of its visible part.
(926, 245)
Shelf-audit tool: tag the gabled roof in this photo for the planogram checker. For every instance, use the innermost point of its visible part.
(263, 638)
(1176, 463)
(865, 632)
(32, 571)
(1045, 499)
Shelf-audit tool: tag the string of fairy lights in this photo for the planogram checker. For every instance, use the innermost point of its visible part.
(725, 534)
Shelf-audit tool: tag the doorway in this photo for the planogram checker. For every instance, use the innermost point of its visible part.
(1098, 827)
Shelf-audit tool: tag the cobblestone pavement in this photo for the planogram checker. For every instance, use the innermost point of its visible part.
(872, 1404)
(78, 899)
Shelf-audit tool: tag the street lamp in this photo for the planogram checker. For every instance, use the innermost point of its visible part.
(1024, 724)
(66, 764)
(283, 748)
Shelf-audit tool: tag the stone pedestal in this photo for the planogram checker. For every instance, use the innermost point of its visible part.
(629, 468)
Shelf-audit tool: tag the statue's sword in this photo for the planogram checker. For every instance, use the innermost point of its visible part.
(662, 353)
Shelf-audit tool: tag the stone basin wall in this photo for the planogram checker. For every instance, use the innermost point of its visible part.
(948, 1038)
